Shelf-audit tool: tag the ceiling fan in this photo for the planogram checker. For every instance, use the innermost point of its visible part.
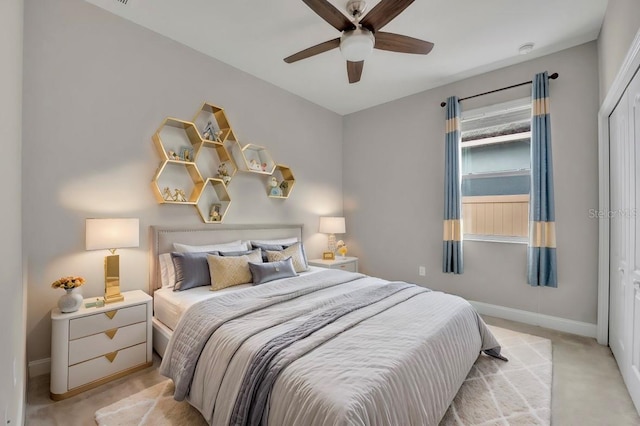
(361, 34)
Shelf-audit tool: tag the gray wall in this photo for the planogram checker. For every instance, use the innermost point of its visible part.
(96, 89)
(393, 189)
(12, 309)
(621, 23)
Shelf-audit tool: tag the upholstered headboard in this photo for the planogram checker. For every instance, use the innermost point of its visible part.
(163, 237)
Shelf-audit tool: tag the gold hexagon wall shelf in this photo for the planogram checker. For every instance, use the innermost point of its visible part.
(173, 136)
(252, 158)
(211, 156)
(177, 182)
(286, 181)
(213, 201)
(212, 123)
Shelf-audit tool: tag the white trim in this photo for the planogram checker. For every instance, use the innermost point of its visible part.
(496, 239)
(496, 139)
(619, 85)
(39, 367)
(547, 321)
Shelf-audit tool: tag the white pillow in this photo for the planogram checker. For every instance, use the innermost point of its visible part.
(278, 242)
(231, 246)
(167, 270)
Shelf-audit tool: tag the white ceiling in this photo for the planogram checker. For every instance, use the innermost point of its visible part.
(470, 36)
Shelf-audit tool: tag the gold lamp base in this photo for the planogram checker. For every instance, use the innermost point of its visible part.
(112, 279)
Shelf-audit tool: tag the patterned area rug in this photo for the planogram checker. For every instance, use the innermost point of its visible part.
(517, 392)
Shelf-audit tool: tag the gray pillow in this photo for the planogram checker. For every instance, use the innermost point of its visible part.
(236, 253)
(265, 247)
(192, 270)
(265, 272)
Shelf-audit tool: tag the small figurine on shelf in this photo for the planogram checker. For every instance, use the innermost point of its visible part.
(214, 214)
(275, 190)
(167, 195)
(209, 132)
(173, 155)
(223, 173)
(264, 167)
(284, 186)
(186, 154)
(179, 195)
(217, 135)
(342, 248)
(254, 165)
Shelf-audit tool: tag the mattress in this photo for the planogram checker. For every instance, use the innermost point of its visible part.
(169, 305)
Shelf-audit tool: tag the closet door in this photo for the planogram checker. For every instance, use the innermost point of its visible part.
(619, 233)
(632, 296)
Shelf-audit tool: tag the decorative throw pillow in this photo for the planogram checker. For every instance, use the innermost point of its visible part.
(231, 246)
(297, 256)
(192, 270)
(265, 272)
(229, 271)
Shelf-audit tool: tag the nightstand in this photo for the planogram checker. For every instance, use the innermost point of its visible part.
(346, 264)
(93, 346)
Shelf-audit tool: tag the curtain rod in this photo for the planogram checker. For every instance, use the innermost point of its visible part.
(552, 77)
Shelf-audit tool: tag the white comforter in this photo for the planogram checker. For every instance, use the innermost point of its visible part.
(390, 363)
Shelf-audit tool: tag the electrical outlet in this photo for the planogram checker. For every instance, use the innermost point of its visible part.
(422, 271)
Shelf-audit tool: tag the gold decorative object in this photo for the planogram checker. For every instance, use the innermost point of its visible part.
(328, 255)
(342, 248)
(167, 195)
(179, 196)
(112, 234)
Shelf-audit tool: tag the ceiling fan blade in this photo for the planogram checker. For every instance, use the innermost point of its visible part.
(313, 50)
(354, 71)
(402, 43)
(383, 13)
(329, 13)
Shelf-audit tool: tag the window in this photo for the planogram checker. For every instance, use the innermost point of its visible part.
(496, 169)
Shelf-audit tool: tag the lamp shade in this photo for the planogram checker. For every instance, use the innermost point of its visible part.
(112, 233)
(357, 45)
(332, 225)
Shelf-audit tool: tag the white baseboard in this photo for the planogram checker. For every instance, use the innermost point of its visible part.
(39, 367)
(547, 321)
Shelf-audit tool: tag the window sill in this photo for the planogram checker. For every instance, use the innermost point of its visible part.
(496, 239)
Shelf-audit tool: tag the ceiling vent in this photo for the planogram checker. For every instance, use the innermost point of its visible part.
(123, 1)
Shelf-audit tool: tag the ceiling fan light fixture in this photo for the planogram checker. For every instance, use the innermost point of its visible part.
(357, 45)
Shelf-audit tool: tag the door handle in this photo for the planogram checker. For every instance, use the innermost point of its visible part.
(621, 270)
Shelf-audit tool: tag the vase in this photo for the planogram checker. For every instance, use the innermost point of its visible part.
(70, 301)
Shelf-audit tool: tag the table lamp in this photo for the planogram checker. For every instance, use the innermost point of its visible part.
(332, 225)
(112, 234)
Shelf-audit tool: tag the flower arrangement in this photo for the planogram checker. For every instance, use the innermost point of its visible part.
(68, 283)
(342, 248)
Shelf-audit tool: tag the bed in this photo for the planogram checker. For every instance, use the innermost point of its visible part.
(327, 347)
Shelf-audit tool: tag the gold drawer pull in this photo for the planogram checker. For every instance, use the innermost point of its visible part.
(111, 356)
(111, 314)
(111, 333)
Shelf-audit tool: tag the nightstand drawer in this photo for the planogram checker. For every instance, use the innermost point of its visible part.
(351, 267)
(106, 342)
(94, 324)
(97, 368)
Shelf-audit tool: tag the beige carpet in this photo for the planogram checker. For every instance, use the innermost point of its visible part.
(517, 392)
